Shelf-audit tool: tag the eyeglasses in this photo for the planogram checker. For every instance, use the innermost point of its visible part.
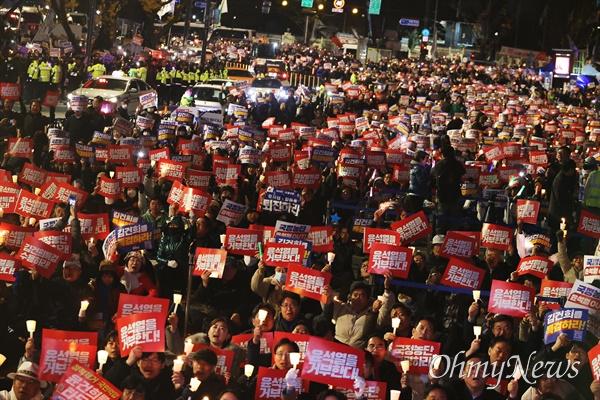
(150, 360)
(375, 346)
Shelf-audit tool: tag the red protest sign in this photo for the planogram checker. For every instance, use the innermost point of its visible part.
(63, 154)
(511, 150)
(489, 180)
(594, 359)
(12, 236)
(159, 154)
(538, 157)
(527, 211)
(212, 260)
(266, 341)
(373, 391)
(171, 170)
(462, 274)
(242, 242)
(109, 188)
(35, 254)
(20, 147)
(130, 177)
(64, 191)
(145, 330)
(48, 191)
(332, 363)
(321, 238)
(496, 237)
(306, 178)
(510, 298)
(412, 228)
(9, 194)
(224, 358)
(280, 152)
(61, 348)
(300, 339)
(132, 304)
(589, 224)
(376, 235)
(418, 352)
(278, 179)
(282, 254)
(198, 179)
(537, 266)
(306, 282)
(459, 245)
(8, 267)
(195, 200)
(227, 174)
(79, 383)
(94, 226)
(61, 241)
(493, 153)
(10, 91)
(555, 289)
(270, 384)
(120, 154)
(395, 259)
(32, 175)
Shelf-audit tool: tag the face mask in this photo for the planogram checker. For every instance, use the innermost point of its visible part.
(280, 277)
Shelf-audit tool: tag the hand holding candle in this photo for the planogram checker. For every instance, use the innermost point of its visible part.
(295, 359)
(177, 364)
(476, 295)
(102, 358)
(31, 324)
(262, 316)
(405, 365)
(248, 370)
(477, 331)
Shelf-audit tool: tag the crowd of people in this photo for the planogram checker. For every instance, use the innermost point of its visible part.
(453, 143)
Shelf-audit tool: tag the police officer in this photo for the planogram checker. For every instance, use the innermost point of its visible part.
(98, 69)
(142, 72)
(45, 69)
(163, 78)
(33, 74)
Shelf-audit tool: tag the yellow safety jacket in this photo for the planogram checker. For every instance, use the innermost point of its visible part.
(591, 195)
(45, 70)
(56, 74)
(142, 73)
(33, 70)
(97, 70)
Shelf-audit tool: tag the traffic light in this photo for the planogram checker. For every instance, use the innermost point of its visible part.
(266, 6)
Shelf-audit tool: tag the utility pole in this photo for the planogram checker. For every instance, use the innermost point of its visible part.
(207, 22)
(90, 33)
(188, 16)
(435, 31)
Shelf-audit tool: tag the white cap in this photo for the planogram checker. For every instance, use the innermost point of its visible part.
(438, 239)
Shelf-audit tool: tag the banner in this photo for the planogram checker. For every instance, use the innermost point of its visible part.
(280, 201)
(231, 213)
(321, 238)
(12, 236)
(418, 352)
(270, 384)
(496, 237)
(282, 254)
(20, 147)
(459, 245)
(94, 226)
(131, 304)
(121, 219)
(212, 260)
(570, 321)
(80, 383)
(510, 298)
(395, 259)
(145, 330)
(589, 224)
(306, 282)
(130, 177)
(583, 295)
(527, 211)
(591, 268)
(242, 242)
(376, 235)
(536, 266)
(291, 230)
(412, 228)
(32, 175)
(553, 289)
(60, 348)
(332, 363)
(462, 274)
(35, 254)
(61, 241)
(109, 188)
(8, 267)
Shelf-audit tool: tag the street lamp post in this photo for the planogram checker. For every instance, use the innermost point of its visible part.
(435, 31)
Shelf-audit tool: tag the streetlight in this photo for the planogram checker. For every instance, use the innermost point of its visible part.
(320, 7)
(284, 3)
(355, 10)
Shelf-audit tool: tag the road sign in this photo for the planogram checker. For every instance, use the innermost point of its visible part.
(425, 32)
(374, 7)
(409, 22)
(338, 6)
(307, 3)
(200, 4)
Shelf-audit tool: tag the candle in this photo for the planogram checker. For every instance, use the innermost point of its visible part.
(262, 315)
(476, 295)
(248, 370)
(405, 364)
(15, 178)
(330, 257)
(31, 221)
(395, 323)
(37, 191)
(177, 300)
(194, 384)
(102, 358)
(247, 260)
(111, 174)
(477, 331)
(152, 163)
(563, 224)
(188, 346)
(2, 359)
(394, 394)
(177, 364)
(30, 327)
(294, 359)
(222, 237)
(83, 308)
